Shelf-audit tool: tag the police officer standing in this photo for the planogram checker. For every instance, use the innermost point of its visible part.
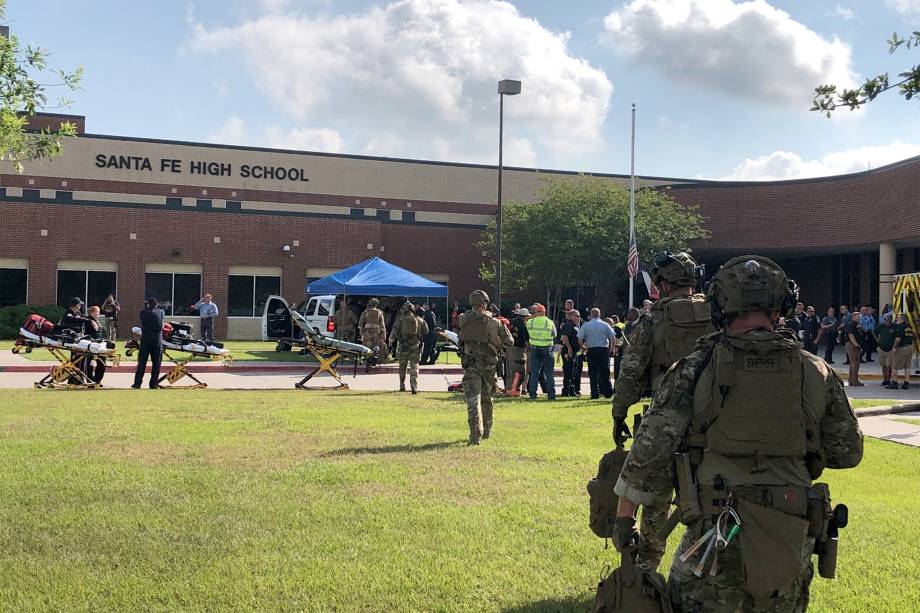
(373, 329)
(407, 333)
(754, 419)
(482, 339)
(151, 344)
(345, 322)
(663, 335)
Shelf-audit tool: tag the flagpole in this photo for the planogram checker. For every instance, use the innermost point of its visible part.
(632, 196)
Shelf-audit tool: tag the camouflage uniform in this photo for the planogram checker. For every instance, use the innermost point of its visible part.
(345, 322)
(482, 338)
(682, 412)
(373, 329)
(645, 361)
(407, 332)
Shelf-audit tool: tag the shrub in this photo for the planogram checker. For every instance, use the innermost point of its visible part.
(11, 317)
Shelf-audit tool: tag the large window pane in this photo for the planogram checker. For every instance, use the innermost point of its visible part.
(70, 284)
(265, 287)
(239, 296)
(159, 285)
(187, 291)
(13, 283)
(101, 284)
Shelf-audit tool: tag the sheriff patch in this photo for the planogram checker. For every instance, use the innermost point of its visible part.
(760, 363)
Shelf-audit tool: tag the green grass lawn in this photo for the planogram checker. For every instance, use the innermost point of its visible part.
(908, 420)
(869, 403)
(258, 351)
(290, 501)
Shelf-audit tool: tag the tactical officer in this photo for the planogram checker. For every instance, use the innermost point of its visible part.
(482, 339)
(661, 336)
(407, 333)
(345, 322)
(755, 419)
(373, 329)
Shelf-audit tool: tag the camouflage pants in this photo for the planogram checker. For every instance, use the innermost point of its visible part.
(375, 338)
(478, 387)
(408, 359)
(651, 546)
(725, 592)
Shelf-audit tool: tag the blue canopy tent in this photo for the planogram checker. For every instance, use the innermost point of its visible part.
(376, 277)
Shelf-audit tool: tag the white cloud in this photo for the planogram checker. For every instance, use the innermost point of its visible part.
(749, 49)
(425, 70)
(787, 165)
(231, 132)
(305, 139)
(908, 8)
(843, 12)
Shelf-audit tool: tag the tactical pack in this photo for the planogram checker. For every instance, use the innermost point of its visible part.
(408, 326)
(603, 500)
(632, 589)
(682, 322)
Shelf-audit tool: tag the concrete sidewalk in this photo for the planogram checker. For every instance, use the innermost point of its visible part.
(888, 428)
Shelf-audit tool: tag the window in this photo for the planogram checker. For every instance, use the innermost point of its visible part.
(176, 292)
(13, 286)
(247, 294)
(91, 286)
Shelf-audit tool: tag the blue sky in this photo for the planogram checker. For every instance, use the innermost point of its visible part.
(722, 87)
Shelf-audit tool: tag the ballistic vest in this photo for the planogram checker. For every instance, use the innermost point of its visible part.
(476, 337)
(679, 322)
(540, 330)
(757, 407)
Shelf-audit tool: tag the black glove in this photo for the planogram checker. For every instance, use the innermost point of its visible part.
(620, 430)
(625, 534)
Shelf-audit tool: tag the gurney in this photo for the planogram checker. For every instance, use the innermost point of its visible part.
(72, 349)
(177, 338)
(327, 351)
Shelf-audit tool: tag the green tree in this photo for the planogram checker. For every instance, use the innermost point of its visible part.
(25, 79)
(578, 232)
(829, 98)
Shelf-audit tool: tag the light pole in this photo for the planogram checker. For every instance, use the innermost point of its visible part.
(506, 87)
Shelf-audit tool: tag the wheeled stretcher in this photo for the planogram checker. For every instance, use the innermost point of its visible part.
(73, 351)
(177, 338)
(327, 351)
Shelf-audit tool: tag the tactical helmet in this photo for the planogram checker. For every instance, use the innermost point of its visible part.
(407, 307)
(752, 283)
(373, 302)
(479, 297)
(678, 269)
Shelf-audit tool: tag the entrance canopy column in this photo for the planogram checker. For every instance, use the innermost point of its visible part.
(887, 262)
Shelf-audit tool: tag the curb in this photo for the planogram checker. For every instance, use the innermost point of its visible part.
(909, 407)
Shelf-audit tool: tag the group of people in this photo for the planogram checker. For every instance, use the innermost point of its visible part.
(752, 457)
(370, 325)
(861, 333)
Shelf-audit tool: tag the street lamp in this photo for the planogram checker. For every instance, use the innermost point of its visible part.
(506, 87)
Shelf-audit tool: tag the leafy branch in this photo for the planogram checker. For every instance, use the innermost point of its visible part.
(828, 98)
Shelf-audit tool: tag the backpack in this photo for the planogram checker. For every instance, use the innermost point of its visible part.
(632, 589)
(408, 326)
(36, 324)
(602, 499)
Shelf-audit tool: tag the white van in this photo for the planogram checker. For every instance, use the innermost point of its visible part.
(277, 324)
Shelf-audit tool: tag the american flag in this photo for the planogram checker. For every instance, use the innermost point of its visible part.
(632, 259)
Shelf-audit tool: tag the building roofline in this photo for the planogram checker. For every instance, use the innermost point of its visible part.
(674, 182)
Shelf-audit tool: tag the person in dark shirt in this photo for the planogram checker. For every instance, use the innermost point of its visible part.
(73, 319)
(571, 355)
(853, 335)
(431, 320)
(904, 352)
(886, 338)
(95, 368)
(829, 334)
(151, 344)
(516, 355)
(808, 330)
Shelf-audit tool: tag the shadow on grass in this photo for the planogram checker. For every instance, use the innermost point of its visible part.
(570, 604)
(393, 449)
